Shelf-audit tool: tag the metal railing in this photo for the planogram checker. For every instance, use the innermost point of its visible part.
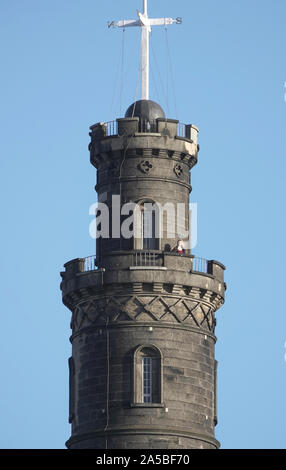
(90, 263)
(111, 128)
(200, 265)
(147, 258)
(181, 130)
(150, 258)
(144, 126)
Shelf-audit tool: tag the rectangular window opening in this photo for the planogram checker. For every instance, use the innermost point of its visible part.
(147, 379)
(150, 241)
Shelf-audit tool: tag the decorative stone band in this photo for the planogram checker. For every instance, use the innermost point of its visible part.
(157, 154)
(100, 186)
(177, 149)
(207, 440)
(183, 310)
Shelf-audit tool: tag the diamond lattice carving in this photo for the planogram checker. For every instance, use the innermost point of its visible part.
(191, 312)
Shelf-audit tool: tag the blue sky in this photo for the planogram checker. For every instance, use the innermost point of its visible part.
(59, 75)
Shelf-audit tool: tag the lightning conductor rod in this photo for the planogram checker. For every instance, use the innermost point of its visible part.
(145, 23)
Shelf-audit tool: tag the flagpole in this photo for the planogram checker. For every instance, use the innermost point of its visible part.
(145, 62)
(145, 23)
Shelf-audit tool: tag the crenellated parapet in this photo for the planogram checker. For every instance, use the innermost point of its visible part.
(167, 294)
(124, 136)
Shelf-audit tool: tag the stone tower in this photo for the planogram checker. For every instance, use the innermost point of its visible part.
(142, 370)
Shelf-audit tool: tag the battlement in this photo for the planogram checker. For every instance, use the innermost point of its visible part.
(139, 272)
(130, 126)
(161, 138)
(137, 259)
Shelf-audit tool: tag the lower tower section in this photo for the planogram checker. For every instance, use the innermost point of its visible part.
(142, 371)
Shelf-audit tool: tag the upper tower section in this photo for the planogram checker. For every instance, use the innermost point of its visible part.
(143, 158)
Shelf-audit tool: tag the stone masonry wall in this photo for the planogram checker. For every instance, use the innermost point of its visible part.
(103, 402)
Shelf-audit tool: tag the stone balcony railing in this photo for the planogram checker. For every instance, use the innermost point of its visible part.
(126, 126)
(146, 259)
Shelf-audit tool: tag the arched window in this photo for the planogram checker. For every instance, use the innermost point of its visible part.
(147, 375)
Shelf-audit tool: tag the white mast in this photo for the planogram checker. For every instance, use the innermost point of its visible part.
(145, 31)
(145, 23)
